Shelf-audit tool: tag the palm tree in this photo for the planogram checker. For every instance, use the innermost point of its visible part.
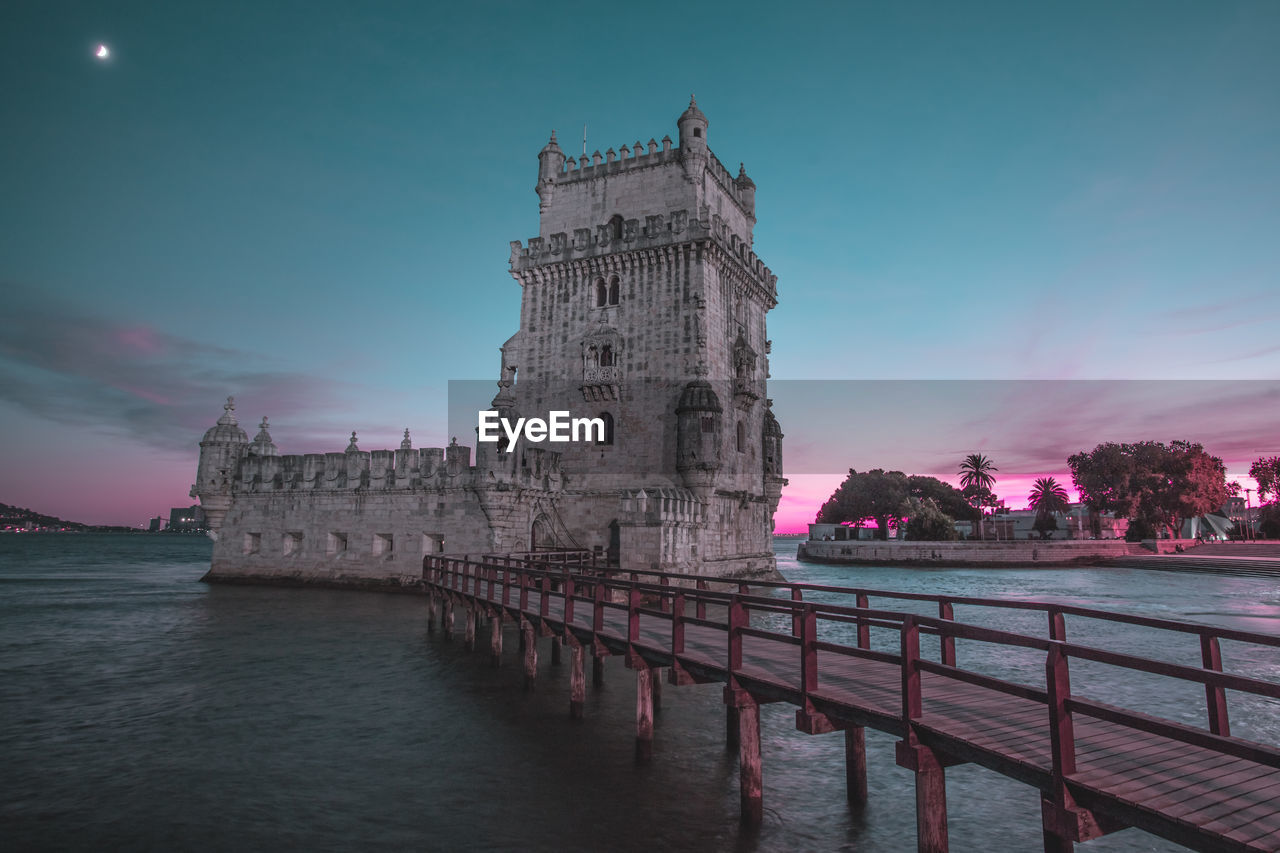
(975, 471)
(1047, 497)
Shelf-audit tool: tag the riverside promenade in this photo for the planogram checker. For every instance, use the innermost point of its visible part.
(1237, 558)
(1096, 767)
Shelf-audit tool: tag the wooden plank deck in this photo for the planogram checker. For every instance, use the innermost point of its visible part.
(1120, 774)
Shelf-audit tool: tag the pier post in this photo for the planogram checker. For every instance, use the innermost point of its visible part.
(495, 638)
(597, 670)
(750, 772)
(447, 606)
(469, 630)
(931, 802)
(730, 727)
(855, 765)
(577, 682)
(530, 654)
(644, 713)
(555, 651)
(431, 613)
(656, 681)
(1054, 843)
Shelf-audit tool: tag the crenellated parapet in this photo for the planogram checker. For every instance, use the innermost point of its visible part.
(656, 506)
(402, 469)
(629, 158)
(656, 232)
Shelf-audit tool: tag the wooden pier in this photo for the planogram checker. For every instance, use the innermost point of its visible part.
(1098, 767)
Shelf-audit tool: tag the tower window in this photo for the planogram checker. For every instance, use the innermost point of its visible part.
(697, 132)
(613, 290)
(615, 227)
(606, 356)
(602, 293)
(742, 437)
(708, 423)
(608, 428)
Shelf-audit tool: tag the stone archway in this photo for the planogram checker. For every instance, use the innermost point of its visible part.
(541, 536)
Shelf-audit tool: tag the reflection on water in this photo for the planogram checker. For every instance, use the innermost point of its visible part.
(139, 708)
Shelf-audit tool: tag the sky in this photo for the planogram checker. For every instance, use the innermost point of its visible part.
(308, 205)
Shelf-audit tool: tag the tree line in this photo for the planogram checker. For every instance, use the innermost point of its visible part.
(1156, 486)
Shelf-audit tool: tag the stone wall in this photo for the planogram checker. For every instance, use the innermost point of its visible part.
(895, 552)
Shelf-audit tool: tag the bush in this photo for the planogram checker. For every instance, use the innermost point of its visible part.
(930, 524)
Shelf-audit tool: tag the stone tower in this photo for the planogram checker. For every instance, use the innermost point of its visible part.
(644, 305)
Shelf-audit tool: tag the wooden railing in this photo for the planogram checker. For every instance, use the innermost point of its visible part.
(567, 591)
(582, 582)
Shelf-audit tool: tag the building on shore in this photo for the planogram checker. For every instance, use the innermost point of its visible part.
(185, 519)
(643, 307)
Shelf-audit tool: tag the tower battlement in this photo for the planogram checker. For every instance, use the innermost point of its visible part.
(639, 181)
(657, 230)
(637, 156)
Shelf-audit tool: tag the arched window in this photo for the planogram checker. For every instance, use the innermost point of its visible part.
(742, 437)
(593, 356)
(613, 290)
(608, 428)
(606, 356)
(602, 293)
(615, 227)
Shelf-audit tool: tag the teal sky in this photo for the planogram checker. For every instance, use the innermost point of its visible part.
(308, 205)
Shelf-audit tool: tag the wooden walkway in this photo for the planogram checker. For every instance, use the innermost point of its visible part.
(1098, 767)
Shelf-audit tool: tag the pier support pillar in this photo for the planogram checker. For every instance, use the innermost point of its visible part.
(597, 671)
(495, 638)
(730, 727)
(530, 654)
(656, 679)
(469, 630)
(855, 765)
(931, 799)
(750, 772)
(644, 713)
(1057, 844)
(447, 607)
(431, 614)
(577, 682)
(555, 651)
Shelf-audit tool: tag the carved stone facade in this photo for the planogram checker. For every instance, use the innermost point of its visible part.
(642, 304)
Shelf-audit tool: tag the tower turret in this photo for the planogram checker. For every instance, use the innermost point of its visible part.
(772, 452)
(550, 164)
(698, 436)
(746, 192)
(221, 449)
(262, 444)
(693, 130)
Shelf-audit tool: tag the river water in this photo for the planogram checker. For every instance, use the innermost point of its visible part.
(142, 710)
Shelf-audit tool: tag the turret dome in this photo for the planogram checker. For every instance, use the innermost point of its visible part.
(262, 443)
(227, 429)
(698, 396)
(693, 112)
